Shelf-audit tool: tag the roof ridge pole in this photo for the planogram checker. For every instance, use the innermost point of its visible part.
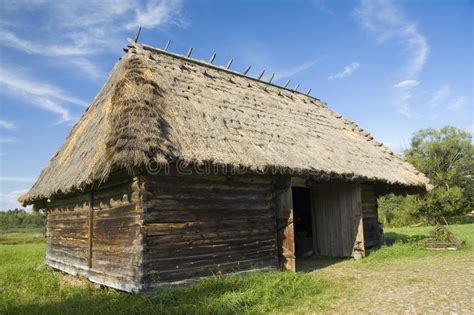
(286, 84)
(190, 51)
(261, 74)
(167, 45)
(212, 58)
(309, 91)
(296, 87)
(229, 63)
(138, 34)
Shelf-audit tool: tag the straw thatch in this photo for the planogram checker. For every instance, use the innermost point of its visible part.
(159, 105)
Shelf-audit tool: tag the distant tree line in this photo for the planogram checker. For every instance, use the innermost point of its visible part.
(446, 156)
(20, 218)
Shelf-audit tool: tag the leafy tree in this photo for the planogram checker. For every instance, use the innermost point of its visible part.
(20, 218)
(446, 156)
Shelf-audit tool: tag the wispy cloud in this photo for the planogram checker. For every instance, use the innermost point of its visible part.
(440, 96)
(15, 82)
(51, 50)
(79, 29)
(156, 13)
(458, 103)
(88, 67)
(9, 200)
(42, 95)
(290, 72)
(445, 99)
(385, 21)
(7, 124)
(406, 84)
(17, 179)
(347, 71)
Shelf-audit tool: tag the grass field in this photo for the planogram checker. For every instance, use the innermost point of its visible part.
(324, 285)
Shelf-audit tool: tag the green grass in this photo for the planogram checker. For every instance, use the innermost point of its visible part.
(26, 286)
(404, 244)
(21, 236)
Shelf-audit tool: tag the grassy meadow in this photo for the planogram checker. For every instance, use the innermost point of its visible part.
(27, 286)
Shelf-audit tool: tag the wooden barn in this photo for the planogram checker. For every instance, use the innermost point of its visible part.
(180, 169)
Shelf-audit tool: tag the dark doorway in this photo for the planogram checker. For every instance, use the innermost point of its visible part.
(302, 222)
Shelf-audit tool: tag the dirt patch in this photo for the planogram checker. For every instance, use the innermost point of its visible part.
(442, 285)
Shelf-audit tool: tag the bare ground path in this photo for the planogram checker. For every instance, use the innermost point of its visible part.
(439, 285)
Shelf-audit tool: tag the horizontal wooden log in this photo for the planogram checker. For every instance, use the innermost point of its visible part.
(181, 216)
(176, 274)
(119, 211)
(78, 257)
(207, 226)
(197, 204)
(238, 179)
(179, 193)
(224, 254)
(61, 215)
(210, 236)
(98, 258)
(177, 241)
(113, 223)
(210, 249)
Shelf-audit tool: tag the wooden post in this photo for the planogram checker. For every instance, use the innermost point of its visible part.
(358, 250)
(285, 229)
(91, 227)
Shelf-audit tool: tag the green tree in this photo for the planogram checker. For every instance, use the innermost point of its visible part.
(446, 156)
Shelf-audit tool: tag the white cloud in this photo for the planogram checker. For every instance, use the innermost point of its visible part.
(39, 94)
(155, 13)
(16, 179)
(440, 97)
(15, 82)
(9, 200)
(406, 84)
(458, 103)
(444, 99)
(404, 109)
(51, 50)
(347, 71)
(7, 124)
(383, 19)
(287, 73)
(83, 28)
(88, 67)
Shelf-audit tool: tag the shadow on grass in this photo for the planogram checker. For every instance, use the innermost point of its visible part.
(391, 238)
(316, 263)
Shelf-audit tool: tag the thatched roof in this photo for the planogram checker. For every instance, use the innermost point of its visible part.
(158, 104)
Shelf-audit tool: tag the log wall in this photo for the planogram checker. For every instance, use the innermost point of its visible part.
(102, 242)
(199, 225)
(337, 218)
(370, 213)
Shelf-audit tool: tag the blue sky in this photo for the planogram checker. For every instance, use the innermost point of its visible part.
(392, 67)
